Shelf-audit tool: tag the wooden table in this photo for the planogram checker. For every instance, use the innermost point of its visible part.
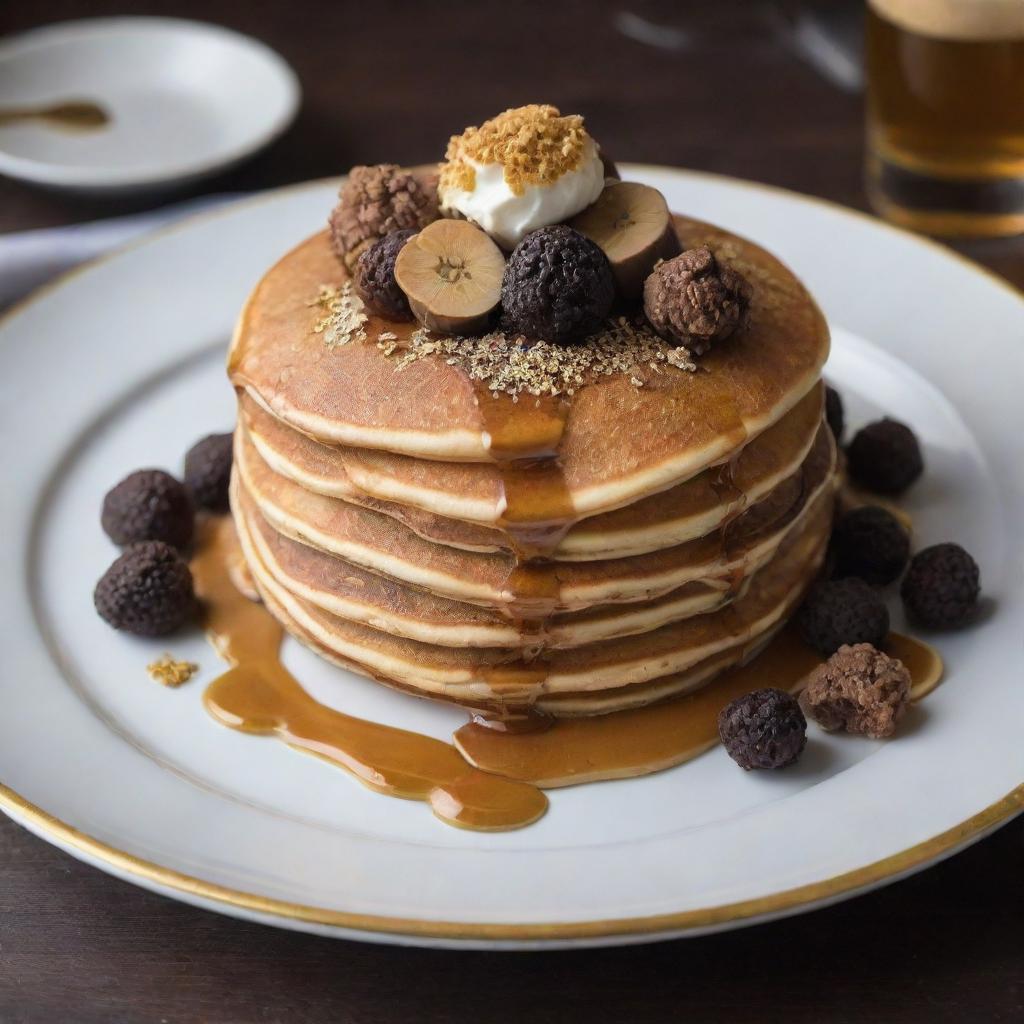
(390, 82)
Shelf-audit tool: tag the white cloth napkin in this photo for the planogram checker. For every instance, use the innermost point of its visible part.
(30, 258)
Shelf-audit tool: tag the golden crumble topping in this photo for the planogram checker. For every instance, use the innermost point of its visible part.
(168, 671)
(344, 314)
(513, 366)
(535, 145)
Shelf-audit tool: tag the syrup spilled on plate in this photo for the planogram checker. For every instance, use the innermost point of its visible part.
(259, 695)
(492, 778)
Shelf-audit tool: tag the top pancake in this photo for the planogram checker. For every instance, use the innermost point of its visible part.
(613, 438)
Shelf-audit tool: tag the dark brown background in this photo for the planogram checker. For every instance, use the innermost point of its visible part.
(390, 82)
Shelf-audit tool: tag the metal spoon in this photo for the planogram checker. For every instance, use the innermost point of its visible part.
(73, 115)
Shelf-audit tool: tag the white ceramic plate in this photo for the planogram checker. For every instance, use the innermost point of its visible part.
(120, 366)
(185, 99)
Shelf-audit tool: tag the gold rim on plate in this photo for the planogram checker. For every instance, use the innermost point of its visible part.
(887, 869)
(789, 900)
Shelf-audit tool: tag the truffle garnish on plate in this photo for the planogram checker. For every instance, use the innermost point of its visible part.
(148, 504)
(870, 542)
(885, 457)
(208, 471)
(842, 612)
(147, 591)
(860, 690)
(941, 587)
(375, 201)
(763, 729)
(696, 301)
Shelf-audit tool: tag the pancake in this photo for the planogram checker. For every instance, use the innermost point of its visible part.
(426, 496)
(383, 545)
(345, 590)
(320, 468)
(483, 678)
(616, 442)
(510, 525)
(562, 705)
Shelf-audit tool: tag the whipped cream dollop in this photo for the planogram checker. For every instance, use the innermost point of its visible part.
(523, 170)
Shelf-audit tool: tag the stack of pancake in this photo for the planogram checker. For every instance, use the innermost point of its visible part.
(575, 554)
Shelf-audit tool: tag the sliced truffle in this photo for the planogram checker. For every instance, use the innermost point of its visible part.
(842, 612)
(377, 200)
(147, 591)
(148, 504)
(870, 542)
(208, 471)
(763, 729)
(558, 286)
(374, 276)
(941, 587)
(885, 457)
(859, 690)
(694, 300)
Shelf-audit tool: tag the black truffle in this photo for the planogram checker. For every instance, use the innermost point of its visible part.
(835, 416)
(558, 286)
(841, 612)
(148, 504)
(941, 587)
(208, 472)
(869, 542)
(374, 276)
(763, 729)
(885, 457)
(147, 591)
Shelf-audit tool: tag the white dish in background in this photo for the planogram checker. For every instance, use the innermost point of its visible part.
(121, 366)
(185, 99)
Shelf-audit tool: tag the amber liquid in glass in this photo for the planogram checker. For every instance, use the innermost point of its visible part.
(945, 150)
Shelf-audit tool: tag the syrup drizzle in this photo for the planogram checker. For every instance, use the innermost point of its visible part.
(524, 438)
(648, 739)
(638, 741)
(259, 695)
(491, 779)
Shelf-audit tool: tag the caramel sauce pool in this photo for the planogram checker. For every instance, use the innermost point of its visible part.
(638, 741)
(492, 778)
(922, 661)
(649, 739)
